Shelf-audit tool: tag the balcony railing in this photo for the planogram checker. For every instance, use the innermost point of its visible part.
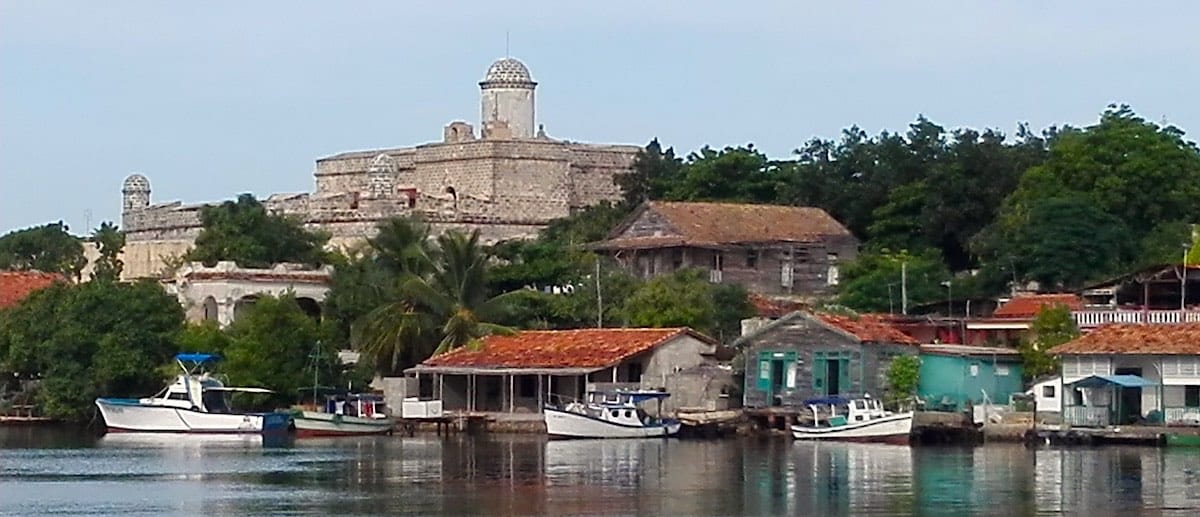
(1094, 318)
(1182, 415)
(1086, 416)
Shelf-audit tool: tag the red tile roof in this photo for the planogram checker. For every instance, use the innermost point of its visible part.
(1165, 339)
(1029, 305)
(583, 348)
(868, 328)
(773, 307)
(16, 285)
(726, 223)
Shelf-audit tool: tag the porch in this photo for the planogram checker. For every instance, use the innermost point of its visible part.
(1102, 401)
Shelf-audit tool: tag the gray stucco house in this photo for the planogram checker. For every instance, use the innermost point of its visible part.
(805, 355)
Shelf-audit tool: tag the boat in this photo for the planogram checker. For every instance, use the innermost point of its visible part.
(352, 414)
(609, 414)
(195, 402)
(859, 420)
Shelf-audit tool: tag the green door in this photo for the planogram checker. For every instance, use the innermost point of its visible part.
(774, 371)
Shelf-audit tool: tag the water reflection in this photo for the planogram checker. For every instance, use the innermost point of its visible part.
(47, 473)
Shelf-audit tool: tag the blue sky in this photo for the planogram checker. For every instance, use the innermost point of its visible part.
(209, 99)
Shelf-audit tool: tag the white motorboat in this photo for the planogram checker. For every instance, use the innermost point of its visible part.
(195, 403)
(860, 420)
(345, 415)
(609, 414)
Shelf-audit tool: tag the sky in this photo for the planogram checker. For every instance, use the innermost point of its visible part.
(212, 99)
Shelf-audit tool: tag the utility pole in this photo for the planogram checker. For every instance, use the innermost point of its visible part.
(599, 298)
(1183, 274)
(904, 288)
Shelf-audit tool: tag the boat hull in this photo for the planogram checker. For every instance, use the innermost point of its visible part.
(889, 429)
(564, 424)
(313, 423)
(132, 416)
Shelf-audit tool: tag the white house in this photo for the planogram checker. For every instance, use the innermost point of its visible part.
(1121, 374)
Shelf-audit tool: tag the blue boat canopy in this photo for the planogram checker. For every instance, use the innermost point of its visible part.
(1123, 381)
(190, 357)
(639, 396)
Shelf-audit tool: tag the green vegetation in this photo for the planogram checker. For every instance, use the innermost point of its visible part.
(109, 242)
(79, 342)
(903, 377)
(47, 248)
(244, 232)
(1051, 327)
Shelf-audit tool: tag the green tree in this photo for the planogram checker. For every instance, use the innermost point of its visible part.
(872, 282)
(1063, 243)
(654, 171)
(275, 345)
(109, 242)
(686, 299)
(903, 376)
(739, 174)
(244, 232)
(448, 308)
(1140, 173)
(106, 339)
(1051, 327)
(47, 248)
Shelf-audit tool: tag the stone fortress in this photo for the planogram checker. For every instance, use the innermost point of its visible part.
(508, 180)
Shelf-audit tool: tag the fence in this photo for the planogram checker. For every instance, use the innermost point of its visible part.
(1086, 416)
(1086, 318)
(1181, 415)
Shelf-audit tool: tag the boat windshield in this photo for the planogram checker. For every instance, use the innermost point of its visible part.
(215, 402)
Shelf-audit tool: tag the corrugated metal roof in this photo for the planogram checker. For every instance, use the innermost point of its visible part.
(583, 348)
(16, 285)
(1145, 339)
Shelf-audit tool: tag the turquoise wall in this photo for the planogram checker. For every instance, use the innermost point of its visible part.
(947, 378)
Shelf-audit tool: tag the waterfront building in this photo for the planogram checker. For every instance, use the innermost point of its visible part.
(521, 372)
(221, 292)
(507, 179)
(1130, 373)
(805, 355)
(774, 250)
(955, 376)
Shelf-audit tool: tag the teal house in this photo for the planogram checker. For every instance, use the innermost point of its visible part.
(953, 376)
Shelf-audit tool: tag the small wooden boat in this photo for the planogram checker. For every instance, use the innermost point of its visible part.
(859, 420)
(345, 415)
(195, 403)
(609, 414)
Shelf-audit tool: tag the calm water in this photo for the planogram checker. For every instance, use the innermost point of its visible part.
(48, 472)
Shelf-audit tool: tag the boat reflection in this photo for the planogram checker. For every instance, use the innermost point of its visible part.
(178, 440)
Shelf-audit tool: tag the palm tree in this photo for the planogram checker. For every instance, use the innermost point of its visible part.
(441, 301)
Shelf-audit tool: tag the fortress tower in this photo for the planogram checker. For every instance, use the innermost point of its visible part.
(507, 105)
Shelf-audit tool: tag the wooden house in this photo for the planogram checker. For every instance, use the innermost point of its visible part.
(781, 250)
(805, 355)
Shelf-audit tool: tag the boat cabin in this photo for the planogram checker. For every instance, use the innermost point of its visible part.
(196, 390)
(618, 406)
(359, 405)
(842, 411)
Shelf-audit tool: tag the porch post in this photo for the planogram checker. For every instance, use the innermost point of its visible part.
(614, 374)
(539, 392)
(441, 379)
(510, 392)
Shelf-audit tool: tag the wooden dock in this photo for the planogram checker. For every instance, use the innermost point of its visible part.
(1152, 435)
(470, 423)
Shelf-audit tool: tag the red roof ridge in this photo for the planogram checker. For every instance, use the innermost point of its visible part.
(1027, 306)
(568, 348)
(1136, 338)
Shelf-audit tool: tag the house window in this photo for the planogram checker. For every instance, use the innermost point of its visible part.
(677, 258)
(1048, 392)
(633, 372)
(528, 386)
(1191, 396)
(752, 259)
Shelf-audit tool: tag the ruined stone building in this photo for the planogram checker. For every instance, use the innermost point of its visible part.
(508, 179)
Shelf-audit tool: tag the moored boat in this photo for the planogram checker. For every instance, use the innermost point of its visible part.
(195, 402)
(348, 415)
(859, 420)
(609, 414)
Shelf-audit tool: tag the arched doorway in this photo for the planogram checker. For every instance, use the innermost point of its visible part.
(310, 307)
(210, 309)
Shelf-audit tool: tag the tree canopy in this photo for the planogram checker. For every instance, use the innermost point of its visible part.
(244, 232)
(109, 242)
(82, 341)
(1051, 327)
(48, 248)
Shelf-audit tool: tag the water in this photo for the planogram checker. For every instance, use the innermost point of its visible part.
(56, 472)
